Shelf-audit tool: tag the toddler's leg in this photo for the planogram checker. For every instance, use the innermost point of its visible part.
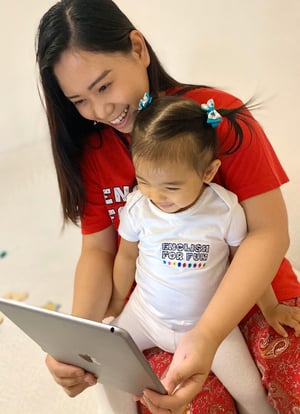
(235, 368)
(113, 400)
(134, 320)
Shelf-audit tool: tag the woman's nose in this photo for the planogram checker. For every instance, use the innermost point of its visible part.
(102, 111)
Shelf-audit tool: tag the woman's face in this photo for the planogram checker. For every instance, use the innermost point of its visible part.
(106, 87)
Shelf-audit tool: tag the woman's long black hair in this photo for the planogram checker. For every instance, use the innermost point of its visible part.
(91, 25)
(95, 26)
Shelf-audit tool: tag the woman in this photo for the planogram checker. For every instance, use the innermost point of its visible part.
(95, 67)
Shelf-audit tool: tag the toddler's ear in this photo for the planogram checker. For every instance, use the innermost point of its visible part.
(211, 171)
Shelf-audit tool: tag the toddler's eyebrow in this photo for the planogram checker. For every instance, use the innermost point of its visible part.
(164, 183)
(174, 183)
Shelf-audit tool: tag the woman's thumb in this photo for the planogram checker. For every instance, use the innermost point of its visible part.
(176, 377)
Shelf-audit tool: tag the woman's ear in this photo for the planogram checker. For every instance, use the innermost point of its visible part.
(139, 47)
(211, 171)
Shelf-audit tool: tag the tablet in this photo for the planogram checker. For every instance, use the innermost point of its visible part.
(107, 351)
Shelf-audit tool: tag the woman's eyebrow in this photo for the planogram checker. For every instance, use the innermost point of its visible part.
(99, 78)
(91, 85)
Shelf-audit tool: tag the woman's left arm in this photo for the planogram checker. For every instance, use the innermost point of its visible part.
(250, 272)
(261, 253)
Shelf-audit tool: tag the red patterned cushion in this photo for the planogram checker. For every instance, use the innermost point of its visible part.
(213, 399)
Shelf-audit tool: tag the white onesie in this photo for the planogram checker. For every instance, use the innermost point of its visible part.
(182, 259)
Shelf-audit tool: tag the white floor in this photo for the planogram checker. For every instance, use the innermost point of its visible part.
(40, 261)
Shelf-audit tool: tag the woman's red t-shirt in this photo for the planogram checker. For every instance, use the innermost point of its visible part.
(253, 169)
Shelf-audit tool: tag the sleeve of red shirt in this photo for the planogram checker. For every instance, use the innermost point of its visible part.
(108, 176)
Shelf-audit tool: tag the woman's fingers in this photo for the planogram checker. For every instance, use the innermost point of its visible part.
(73, 379)
(167, 406)
(74, 390)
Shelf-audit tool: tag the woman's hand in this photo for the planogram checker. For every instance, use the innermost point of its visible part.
(73, 379)
(186, 375)
(92, 292)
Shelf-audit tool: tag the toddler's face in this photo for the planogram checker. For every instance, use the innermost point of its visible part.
(172, 187)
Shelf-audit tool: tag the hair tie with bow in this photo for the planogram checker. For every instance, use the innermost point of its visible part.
(213, 116)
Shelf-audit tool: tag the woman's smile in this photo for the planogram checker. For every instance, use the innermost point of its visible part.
(119, 120)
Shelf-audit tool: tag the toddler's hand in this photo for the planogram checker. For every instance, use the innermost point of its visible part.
(282, 315)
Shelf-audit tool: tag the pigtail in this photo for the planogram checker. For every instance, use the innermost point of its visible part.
(238, 118)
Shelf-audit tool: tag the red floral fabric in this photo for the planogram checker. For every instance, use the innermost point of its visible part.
(277, 358)
(213, 398)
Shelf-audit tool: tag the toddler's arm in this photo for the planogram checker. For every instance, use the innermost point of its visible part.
(123, 275)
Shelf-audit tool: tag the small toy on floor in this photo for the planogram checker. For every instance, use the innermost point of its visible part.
(3, 254)
(19, 296)
(52, 306)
